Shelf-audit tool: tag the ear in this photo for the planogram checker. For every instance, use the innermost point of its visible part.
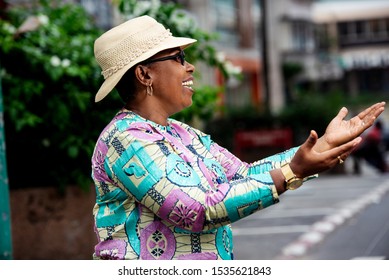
(143, 75)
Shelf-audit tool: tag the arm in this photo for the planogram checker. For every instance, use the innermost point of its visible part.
(187, 193)
(270, 165)
(320, 154)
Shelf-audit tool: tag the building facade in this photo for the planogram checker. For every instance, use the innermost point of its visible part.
(259, 36)
(355, 35)
(326, 45)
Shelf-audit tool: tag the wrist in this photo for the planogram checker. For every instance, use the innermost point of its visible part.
(278, 180)
(291, 181)
(295, 169)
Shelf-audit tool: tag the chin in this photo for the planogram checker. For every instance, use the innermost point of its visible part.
(189, 104)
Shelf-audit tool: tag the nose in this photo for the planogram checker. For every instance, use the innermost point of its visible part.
(189, 67)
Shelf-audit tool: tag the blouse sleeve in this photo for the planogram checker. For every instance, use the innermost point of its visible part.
(236, 168)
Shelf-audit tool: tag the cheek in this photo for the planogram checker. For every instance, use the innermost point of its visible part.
(168, 81)
(165, 78)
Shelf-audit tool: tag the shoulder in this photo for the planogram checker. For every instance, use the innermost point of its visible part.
(185, 129)
(126, 127)
(178, 124)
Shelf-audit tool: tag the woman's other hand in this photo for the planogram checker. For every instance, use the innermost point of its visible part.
(340, 131)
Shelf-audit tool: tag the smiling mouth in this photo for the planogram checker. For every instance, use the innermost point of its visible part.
(188, 84)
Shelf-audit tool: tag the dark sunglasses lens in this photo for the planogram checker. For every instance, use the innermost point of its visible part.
(182, 58)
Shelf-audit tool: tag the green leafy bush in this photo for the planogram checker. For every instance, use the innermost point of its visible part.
(49, 77)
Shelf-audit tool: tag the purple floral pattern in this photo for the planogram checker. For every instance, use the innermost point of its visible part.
(158, 242)
(111, 249)
(183, 211)
(183, 216)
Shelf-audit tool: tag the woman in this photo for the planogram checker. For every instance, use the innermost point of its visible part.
(164, 189)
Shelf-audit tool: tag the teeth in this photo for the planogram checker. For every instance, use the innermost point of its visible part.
(187, 83)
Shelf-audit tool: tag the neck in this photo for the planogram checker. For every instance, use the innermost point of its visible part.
(151, 115)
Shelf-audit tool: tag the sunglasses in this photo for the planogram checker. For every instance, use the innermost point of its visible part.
(179, 57)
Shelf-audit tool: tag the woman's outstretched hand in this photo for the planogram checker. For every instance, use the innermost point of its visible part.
(340, 139)
(338, 142)
(340, 131)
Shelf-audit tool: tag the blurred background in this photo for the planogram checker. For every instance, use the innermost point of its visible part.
(267, 72)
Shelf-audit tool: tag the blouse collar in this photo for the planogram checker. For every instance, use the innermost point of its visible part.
(164, 128)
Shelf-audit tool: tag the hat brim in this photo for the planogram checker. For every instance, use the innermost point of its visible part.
(111, 81)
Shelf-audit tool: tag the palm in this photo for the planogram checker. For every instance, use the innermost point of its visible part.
(340, 131)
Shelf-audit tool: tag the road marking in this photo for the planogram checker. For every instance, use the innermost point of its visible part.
(318, 231)
(269, 230)
(288, 213)
(370, 258)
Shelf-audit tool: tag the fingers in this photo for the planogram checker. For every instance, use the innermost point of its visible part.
(342, 113)
(371, 113)
(312, 139)
(301, 160)
(344, 150)
(367, 117)
(367, 111)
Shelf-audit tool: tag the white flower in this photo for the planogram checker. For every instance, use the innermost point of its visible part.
(220, 57)
(55, 61)
(141, 7)
(232, 69)
(65, 63)
(9, 28)
(183, 21)
(43, 19)
(155, 6)
(46, 142)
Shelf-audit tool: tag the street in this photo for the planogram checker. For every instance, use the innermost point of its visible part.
(333, 217)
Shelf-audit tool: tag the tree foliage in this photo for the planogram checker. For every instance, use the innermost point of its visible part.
(49, 77)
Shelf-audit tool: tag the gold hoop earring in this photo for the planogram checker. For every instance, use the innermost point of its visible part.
(149, 89)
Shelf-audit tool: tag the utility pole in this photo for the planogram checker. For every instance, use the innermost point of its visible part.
(5, 211)
(264, 54)
(271, 52)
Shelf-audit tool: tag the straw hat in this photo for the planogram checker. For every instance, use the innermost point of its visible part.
(129, 43)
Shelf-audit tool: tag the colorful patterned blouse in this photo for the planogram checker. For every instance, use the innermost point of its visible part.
(170, 192)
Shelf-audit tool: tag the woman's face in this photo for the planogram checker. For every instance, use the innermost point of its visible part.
(172, 82)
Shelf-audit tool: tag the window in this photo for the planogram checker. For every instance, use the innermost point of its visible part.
(386, 27)
(363, 32)
(225, 16)
(321, 37)
(302, 36)
(360, 28)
